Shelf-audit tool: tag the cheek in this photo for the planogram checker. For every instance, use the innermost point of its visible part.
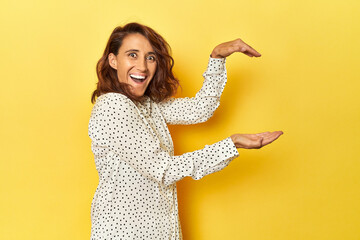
(122, 77)
(122, 72)
(153, 69)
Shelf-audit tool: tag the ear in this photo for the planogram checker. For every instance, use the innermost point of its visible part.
(112, 61)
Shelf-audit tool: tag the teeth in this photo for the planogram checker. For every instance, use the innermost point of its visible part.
(137, 77)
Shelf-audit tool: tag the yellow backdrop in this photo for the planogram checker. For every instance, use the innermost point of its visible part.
(306, 185)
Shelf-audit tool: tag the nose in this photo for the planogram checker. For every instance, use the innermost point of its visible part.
(141, 65)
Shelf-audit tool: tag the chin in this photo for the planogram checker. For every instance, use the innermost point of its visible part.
(139, 94)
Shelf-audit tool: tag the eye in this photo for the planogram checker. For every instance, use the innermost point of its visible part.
(132, 54)
(151, 58)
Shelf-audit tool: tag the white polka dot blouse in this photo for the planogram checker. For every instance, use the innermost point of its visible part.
(136, 197)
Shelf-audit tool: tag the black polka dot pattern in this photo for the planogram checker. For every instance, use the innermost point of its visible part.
(201, 107)
(134, 155)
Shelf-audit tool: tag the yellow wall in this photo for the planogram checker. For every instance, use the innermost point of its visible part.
(306, 185)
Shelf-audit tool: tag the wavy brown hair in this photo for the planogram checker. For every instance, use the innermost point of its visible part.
(162, 86)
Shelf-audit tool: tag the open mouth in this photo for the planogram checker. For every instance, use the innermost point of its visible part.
(137, 78)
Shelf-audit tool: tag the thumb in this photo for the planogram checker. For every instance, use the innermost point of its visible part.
(261, 141)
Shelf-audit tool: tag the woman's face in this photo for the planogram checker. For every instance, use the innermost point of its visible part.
(135, 62)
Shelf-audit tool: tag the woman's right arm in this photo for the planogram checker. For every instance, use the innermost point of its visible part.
(117, 125)
(201, 107)
(198, 109)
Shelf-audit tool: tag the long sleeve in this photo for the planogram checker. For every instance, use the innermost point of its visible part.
(116, 126)
(201, 107)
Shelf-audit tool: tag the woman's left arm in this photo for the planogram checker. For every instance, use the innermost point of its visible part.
(201, 107)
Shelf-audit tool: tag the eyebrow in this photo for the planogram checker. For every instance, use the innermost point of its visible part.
(135, 50)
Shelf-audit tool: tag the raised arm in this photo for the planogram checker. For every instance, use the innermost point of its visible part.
(201, 107)
(116, 126)
(192, 110)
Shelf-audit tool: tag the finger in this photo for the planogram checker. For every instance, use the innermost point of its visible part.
(262, 133)
(249, 54)
(268, 133)
(271, 137)
(250, 51)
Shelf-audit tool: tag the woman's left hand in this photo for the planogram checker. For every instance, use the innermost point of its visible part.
(227, 48)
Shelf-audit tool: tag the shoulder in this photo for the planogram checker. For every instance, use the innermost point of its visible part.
(110, 103)
(114, 99)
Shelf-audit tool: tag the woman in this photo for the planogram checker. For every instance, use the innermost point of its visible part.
(136, 197)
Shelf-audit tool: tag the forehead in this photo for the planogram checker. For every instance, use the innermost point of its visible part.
(136, 41)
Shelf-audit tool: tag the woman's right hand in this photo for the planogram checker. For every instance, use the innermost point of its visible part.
(225, 49)
(255, 141)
